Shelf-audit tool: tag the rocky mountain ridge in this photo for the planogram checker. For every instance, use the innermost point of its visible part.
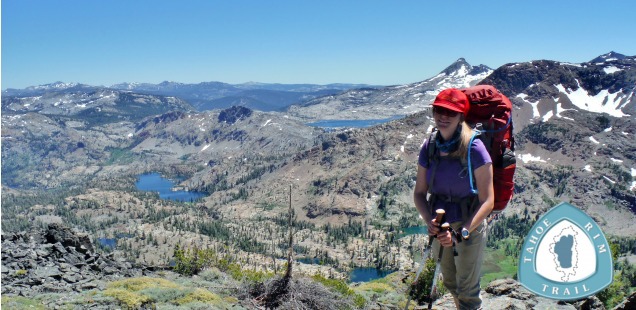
(390, 101)
(544, 89)
(202, 96)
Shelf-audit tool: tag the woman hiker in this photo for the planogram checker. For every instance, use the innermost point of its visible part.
(450, 190)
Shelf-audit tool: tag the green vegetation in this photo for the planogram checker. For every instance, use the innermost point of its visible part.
(191, 261)
(20, 272)
(341, 288)
(19, 302)
(624, 279)
(501, 262)
(381, 291)
(119, 156)
(137, 292)
(420, 289)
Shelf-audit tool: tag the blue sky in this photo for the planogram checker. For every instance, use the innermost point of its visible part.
(373, 42)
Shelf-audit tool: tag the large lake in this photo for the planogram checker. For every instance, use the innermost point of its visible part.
(154, 182)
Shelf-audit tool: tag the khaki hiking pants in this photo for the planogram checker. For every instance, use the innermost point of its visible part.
(461, 273)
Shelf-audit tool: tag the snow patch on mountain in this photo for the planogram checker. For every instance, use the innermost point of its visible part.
(547, 116)
(534, 104)
(571, 64)
(526, 158)
(53, 86)
(633, 187)
(594, 140)
(609, 180)
(611, 69)
(603, 102)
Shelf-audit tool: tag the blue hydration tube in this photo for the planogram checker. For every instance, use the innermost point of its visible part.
(473, 190)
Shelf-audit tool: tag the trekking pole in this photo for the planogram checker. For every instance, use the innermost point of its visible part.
(439, 217)
(433, 294)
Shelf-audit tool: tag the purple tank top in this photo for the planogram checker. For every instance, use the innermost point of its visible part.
(451, 178)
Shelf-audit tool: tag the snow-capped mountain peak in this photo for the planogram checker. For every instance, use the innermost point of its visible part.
(391, 101)
(53, 86)
(611, 56)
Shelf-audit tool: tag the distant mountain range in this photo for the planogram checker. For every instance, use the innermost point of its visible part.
(540, 89)
(206, 95)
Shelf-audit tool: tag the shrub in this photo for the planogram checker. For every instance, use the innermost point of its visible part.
(338, 286)
(199, 295)
(20, 272)
(135, 292)
(131, 300)
(342, 288)
(161, 294)
(19, 302)
(138, 284)
(376, 287)
(420, 290)
(191, 261)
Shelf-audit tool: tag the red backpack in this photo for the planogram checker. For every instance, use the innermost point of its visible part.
(490, 112)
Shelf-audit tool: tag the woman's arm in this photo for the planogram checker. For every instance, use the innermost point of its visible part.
(419, 197)
(483, 177)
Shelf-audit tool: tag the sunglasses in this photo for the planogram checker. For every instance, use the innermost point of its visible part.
(445, 112)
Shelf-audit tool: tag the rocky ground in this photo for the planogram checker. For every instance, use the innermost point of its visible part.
(59, 260)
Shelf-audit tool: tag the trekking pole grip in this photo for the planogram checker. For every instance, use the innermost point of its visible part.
(447, 227)
(439, 217)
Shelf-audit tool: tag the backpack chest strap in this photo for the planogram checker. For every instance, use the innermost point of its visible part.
(467, 204)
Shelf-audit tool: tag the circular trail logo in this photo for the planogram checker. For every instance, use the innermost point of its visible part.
(565, 256)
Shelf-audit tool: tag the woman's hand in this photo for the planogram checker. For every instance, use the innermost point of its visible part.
(445, 238)
(433, 227)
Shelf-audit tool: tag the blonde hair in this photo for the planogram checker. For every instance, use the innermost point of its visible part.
(464, 141)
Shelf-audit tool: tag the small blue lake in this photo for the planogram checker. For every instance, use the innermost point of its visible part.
(309, 260)
(112, 242)
(154, 182)
(368, 274)
(421, 230)
(107, 242)
(359, 274)
(355, 123)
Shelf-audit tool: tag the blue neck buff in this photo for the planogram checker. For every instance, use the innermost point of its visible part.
(448, 146)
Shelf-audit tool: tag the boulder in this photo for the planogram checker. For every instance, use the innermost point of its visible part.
(58, 233)
(57, 260)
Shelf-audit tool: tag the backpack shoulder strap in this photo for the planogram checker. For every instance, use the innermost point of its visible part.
(473, 187)
(433, 161)
(432, 149)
